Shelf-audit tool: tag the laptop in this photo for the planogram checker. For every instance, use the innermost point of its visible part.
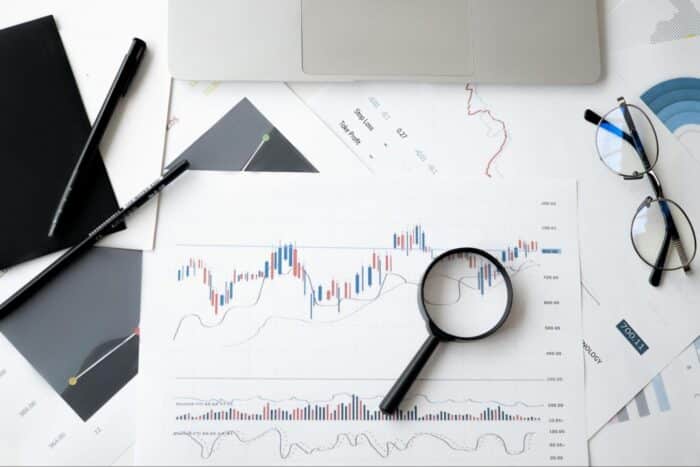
(495, 41)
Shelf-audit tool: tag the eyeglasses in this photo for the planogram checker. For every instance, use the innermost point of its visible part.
(661, 233)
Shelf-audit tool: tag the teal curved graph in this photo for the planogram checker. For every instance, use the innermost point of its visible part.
(675, 102)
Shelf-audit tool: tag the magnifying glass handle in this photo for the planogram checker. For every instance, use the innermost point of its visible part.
(397, 392)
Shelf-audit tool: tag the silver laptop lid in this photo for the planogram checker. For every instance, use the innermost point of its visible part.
(500, 41)
(387, 37)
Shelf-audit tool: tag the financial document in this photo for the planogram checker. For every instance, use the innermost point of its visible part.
(500, 132)
(67, 364)
(40, 428)
(235, 122)
(390, 133)
(45, 419)
(660, 426)
(273, 329)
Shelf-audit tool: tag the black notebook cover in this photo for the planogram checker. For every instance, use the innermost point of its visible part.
(43, 127)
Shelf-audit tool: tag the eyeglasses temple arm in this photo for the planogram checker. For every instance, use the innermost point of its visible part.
(658, 271)
(671, 238)
(597, 120)
(637, 141)
(672, 232)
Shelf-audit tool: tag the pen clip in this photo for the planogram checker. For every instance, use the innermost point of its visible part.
(132, 60)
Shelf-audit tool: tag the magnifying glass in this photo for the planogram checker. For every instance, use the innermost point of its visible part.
(465, 295)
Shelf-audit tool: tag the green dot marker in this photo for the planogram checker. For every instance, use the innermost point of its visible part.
(266, 138)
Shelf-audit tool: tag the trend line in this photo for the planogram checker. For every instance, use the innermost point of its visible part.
(415, 397)
(382, 291)
(265, 138)
(470, 112)
(322, 379)
(351, 407)
(459, 282)
(287, 259)
(304, 321)
(73, 380)
(347, 407)
(382, 449)
(366, 301)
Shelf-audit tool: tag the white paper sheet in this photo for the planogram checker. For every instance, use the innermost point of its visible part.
(196, 106)
(644, 22)
(110, 432)
(646, 66)
(460, 130)
(270, 344)
(38, 428)
(661, 426)
(96, 36)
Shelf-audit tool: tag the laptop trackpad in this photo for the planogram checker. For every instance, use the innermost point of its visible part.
(386, 37)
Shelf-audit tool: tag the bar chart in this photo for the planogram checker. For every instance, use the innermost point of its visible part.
(350, 407)
(652, 399)
(656, 398)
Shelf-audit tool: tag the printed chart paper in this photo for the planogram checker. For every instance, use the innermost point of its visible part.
(660, 426)
(252, 110)
(38, 425)
(500, 132)
(271, 330)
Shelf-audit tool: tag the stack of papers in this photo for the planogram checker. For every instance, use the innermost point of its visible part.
(266, 334)
(74, 336)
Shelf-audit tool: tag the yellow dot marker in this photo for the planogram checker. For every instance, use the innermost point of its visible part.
(72, 381)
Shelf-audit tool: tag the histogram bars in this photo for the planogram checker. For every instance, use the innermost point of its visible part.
(285, 261)
(641, 403)
(353, 410)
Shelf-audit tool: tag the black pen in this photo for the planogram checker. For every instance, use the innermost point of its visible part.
(120, 86)
(93, 237)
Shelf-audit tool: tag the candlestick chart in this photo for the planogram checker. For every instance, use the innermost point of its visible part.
(284, 270)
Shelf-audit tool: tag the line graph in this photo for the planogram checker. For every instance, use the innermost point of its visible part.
(336, 297)
(382, 291)
(471, 92)
(73, 380)
(381, 448)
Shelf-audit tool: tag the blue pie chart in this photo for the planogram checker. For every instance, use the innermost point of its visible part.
(675, 102)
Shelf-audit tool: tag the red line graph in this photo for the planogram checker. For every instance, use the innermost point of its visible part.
(472, 113)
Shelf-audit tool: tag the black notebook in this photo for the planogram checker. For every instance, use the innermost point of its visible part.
(43, 127)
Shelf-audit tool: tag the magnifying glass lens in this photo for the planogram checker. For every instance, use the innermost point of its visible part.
(465, 295)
